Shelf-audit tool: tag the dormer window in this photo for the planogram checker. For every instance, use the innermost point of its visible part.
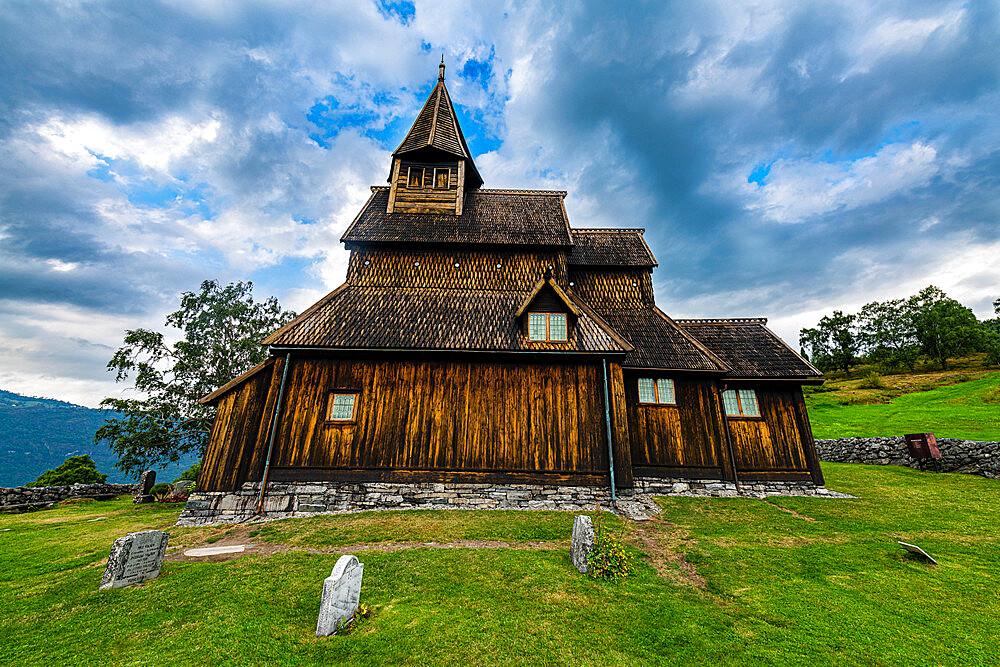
(415, 177)
(442, 178)
(547, 327)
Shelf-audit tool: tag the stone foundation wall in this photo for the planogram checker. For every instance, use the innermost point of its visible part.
(966, 456)
(284, 500)
(24, 499)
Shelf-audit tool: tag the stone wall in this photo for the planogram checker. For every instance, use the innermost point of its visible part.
(24, 499)
(966, 456)
(284, 500)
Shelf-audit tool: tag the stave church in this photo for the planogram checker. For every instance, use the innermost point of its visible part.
(482, 351)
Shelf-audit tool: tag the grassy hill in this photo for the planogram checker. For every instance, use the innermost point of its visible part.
(786, 581)
(37, 434)
(962, 402)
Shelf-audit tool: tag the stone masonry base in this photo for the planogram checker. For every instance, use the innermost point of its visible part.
(288, 499)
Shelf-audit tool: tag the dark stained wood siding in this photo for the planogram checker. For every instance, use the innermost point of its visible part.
(542, 420)
(241, 419)
(682, 440)
(779, 444)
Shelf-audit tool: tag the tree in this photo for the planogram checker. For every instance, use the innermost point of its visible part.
(833, 343)
(991, 337)
(887, 333)
(222, 328)
(944, 327)
(74, 470)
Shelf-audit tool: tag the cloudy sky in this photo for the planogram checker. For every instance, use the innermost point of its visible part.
(786, 158)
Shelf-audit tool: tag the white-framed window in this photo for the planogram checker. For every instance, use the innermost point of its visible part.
(342, 406)
(741, 403)
(548, 327)
(659, 391)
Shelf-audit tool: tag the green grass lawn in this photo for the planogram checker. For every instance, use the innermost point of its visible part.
(950, 405)
(718, 581)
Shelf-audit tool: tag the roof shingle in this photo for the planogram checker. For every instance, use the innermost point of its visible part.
(610, 247)
(750, 349)
(501, 217)
(354, 317)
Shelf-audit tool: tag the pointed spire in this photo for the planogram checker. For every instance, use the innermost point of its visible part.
(436, 127)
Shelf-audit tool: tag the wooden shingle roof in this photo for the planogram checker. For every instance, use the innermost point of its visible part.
(356, 317)
(659, 343)
(750, 349)
(610, 247)
(500, 217)
(437, 127)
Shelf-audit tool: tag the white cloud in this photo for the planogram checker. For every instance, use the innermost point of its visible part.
(798, 189)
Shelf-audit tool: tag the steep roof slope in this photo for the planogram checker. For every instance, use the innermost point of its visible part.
(610, 247)
(750, 349)
(501, 217)
(437, 127)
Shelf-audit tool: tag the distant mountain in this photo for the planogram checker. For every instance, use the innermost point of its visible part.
(37, 434)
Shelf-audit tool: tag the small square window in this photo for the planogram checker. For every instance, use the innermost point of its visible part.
(442, 178)
(647, 392)
(342, 407)
(660, 391)
(748, 403)
(415, 177)
(536, 326)
(741, 403)
(557, 326)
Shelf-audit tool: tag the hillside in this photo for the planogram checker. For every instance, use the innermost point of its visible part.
(962, 402)
(37, 434)
(787, 581)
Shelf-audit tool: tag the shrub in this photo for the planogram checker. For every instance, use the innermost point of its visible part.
(191, 473)
(872, 380)
(160, 489)
(74, 470)
(609, 559)
(992, 396)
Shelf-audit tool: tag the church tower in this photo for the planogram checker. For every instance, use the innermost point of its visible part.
(433, 169)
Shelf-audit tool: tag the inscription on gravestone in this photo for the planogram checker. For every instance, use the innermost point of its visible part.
(135, 558)
(341, 593)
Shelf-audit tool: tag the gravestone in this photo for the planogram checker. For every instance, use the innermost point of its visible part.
(582, 543)
(180, 488)
(146, 482)
(135, 558)
(341, 593)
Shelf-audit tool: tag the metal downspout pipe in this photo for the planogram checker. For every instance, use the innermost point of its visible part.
(274, 429)
(607, 421)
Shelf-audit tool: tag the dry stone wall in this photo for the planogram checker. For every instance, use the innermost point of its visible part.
(25, 499)
(966, 456)
(283, 500)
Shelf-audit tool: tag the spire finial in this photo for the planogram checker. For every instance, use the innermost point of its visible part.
(441, 69)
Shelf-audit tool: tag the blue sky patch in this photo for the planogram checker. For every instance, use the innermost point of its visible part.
(400, 10)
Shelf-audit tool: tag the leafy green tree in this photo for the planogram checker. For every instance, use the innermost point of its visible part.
(74, 470)
(887, 333)
(833, 344)
(944, 327)
(221, 329)
(991, 337)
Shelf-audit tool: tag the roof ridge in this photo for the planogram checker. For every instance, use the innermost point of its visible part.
(609, 230)
(518, 191)
(721, 320)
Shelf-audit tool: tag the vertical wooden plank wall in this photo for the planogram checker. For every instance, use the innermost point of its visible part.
(236, 432)
(544, 420)
(619, 425)
(684, 440)
(775, 445)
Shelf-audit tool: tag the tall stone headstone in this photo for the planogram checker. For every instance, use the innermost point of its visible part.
(135, 558)
(582, 543)
(146, 482)
(341, 593)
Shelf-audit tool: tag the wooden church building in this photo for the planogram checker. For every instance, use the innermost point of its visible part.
(479, 337)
